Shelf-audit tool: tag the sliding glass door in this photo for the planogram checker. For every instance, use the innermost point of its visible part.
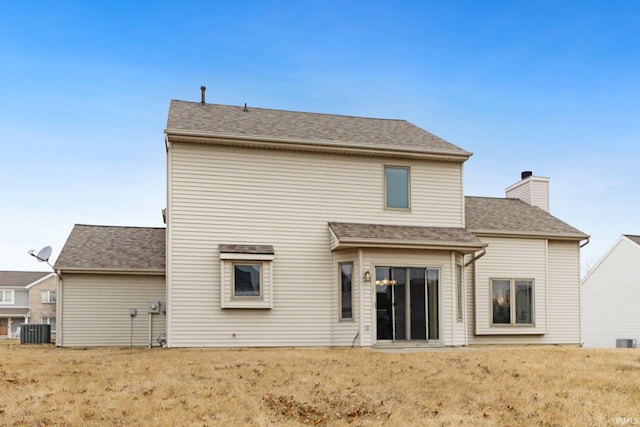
(407, 304)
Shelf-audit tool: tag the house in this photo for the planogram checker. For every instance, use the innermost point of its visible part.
(26, 297)
(302, 229)
(611, 297)
(108, 277)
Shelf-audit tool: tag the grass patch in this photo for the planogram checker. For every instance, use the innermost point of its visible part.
(551, 386)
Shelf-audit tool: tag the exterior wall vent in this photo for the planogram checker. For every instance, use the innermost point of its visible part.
(625, 343)
(35, 333)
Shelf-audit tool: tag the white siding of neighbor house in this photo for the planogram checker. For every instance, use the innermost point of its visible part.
(230, 195)
(611, 297)
(96, 307)
(510, 258)
(556, 274)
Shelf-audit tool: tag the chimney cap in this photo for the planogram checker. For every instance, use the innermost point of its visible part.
(526, 174)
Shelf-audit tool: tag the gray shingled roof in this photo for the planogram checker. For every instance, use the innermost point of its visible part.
(311, 128)
(635, 239)
(356, 233)
(513, 216)
(96, 247)
(20, 279)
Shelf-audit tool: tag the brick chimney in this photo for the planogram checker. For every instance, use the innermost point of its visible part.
(531, 189)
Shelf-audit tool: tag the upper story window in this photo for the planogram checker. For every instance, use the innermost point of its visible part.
(48, 296)
(397, 186)
(6, 296)
(512, 302)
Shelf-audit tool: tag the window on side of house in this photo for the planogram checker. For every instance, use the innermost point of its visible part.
(246, 276)
(48, 296)
(459, 299)
(6, 296)
(247, 280)
(346, 291)
(512, 302)
(50, 321)
(397, 184)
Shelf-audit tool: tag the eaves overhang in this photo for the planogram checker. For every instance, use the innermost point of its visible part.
(529, 234)
(317, 146)
(119, 271)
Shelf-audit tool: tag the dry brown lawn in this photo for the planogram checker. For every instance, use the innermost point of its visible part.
(43, 385)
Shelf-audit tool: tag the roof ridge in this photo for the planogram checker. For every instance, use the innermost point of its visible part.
(119, 226)
(294, 111)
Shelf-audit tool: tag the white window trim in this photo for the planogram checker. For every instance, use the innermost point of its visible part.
(4, 299)
(48, 293)
(384, 187)
(227, 297)
(512, 303)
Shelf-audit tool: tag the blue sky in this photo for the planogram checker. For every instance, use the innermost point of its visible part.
(546, 86)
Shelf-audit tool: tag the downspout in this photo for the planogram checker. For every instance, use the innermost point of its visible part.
(477, 257)
(59, 302)
(580, 294)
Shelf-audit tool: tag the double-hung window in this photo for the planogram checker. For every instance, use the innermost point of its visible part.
(512, 302)
(6, 296)
(397, 187)
(48, 296)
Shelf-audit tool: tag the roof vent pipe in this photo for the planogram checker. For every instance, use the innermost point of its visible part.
(245, 109)
(526, 174)
(203, 89)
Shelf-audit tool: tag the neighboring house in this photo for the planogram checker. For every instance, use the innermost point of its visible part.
(105, 273)
(26, 297)
(611, 296)
(302, 229)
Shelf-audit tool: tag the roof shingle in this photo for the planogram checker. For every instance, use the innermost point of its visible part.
(310, 128)
(95, 247)
(514, 216)
(404, 235)
(20, 278)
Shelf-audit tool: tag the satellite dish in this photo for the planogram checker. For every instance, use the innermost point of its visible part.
(44, 254)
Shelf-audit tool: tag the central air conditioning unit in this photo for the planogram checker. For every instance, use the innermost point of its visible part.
(625, 343)
(154, 307)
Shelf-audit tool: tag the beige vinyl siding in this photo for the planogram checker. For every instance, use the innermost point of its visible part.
(534, 191)
(611, 297)
(563, 293)
(511, 258)
(345, 331)
(558, 309)
(95, 309)
(236, 195)
(412, 258)
(540, 193)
